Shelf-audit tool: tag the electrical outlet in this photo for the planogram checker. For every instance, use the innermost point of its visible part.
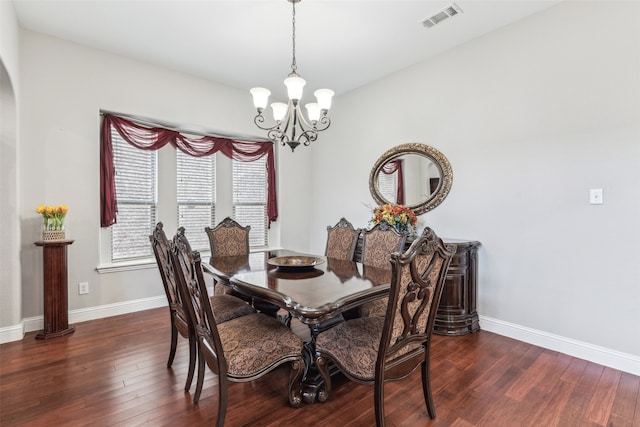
(83, 288)
(595, 196)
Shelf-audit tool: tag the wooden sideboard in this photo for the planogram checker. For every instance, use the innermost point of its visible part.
(457, 313)
(56, 311)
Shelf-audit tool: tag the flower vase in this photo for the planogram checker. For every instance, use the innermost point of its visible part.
(402, 229)
(52, 233)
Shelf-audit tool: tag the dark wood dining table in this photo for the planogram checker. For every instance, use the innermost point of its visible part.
(316, 295)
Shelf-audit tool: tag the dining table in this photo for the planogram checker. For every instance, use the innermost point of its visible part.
(314, 289)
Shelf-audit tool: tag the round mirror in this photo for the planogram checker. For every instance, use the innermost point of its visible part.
(414, 175)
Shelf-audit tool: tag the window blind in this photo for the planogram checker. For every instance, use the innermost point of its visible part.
(388, 186)
(136, 190)
(250, 199)
(196, 195)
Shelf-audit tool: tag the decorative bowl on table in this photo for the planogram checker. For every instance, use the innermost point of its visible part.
(295, 262)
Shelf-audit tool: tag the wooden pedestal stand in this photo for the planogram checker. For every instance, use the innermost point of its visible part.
(56, 305)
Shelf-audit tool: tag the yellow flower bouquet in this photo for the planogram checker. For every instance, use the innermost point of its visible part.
(398, 216)
(53, 217)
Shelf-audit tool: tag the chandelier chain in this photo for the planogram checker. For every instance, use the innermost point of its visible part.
(294, 66)
(291, 127)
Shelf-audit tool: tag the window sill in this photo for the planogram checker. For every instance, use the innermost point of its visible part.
(147, 263)
(115, 267)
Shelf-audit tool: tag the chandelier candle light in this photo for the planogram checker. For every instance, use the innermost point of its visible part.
(291, 127)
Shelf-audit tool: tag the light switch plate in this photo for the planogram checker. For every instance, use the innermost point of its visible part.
(595, 196)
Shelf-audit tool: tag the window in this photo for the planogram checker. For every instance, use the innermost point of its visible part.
(196, 185)
(250, 199)
(136, 192)
(388, 186)
(181, 191)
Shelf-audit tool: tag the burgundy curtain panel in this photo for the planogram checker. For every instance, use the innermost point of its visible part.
(146, 138)
(393, 167)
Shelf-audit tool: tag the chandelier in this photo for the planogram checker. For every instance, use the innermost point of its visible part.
(291, 127)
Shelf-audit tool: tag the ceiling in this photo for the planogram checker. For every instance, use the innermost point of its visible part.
(340, 44)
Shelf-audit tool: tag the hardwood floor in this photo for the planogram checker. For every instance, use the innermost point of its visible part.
(113, 372)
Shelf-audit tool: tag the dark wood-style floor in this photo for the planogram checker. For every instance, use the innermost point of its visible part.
(113, 372)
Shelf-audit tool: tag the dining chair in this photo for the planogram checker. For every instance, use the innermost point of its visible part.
(342, 239)
(180, 323)
(239, 350)
(227, 238)
(227, 307)
(378, 243)
(381, 349)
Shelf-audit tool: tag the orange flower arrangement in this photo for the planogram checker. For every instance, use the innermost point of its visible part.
(53, 216)
(398, 216)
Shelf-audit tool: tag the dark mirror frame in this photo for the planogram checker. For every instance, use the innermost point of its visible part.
(438, 159)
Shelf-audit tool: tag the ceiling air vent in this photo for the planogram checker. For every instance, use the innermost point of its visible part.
(440, 16)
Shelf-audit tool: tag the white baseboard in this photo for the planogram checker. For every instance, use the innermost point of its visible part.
(12, 333)
(30, 324)
(593, 353)
(108, 310)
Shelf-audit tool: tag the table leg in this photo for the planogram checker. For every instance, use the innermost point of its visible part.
(312, 383)
(311, 380)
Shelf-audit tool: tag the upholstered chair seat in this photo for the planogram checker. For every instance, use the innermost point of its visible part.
(375, 308)
(354, 345)
(226, 307)
(252, 344)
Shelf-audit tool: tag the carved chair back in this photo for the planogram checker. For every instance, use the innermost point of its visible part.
(228, 238)
(194, 292)
(180, 320)
(342, 239)
(417, 280)
(159, 243)
(379, 242)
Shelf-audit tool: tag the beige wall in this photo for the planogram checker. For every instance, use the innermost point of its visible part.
(531, 117)
(64, 87)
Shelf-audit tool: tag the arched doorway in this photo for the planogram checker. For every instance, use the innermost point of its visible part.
(10, 273)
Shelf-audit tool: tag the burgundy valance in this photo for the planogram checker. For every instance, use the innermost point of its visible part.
(147, 138)
(393, 167)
